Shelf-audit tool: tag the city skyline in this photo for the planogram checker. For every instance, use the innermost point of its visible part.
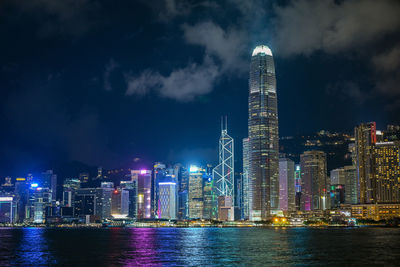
(199, 133)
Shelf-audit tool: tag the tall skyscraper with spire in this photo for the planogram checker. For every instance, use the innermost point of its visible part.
(263, 135)
(224, 172)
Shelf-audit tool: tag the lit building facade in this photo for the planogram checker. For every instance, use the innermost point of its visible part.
(144, 181)
(7, 209)
(337, 176)
(375, 211)
(385, 182)
(131, 188)
(223, 174)
(287, 194)
(314, 181)
(365, 138)
(297, 182)
(209, 201)
(49, 180)
(351, 185)
(167, 200)
(263, 135)
(196, 201)
(246, 197)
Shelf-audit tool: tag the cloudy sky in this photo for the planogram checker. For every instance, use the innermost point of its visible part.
(105, 82)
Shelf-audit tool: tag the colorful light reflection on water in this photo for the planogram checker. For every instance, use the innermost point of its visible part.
(198, 246)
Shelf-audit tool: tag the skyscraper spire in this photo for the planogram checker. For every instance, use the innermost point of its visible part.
(223, 173)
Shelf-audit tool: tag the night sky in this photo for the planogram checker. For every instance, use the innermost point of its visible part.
(105, 82)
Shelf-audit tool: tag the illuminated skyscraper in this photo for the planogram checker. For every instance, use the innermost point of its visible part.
(297, 182)
(167, 196)
(223, 173)
(49, 180)
(365, 137)
(246, 197)
(263, 135)
(196, 201)
(351, 185)
(314, 181)
(386, 173)
(287, 194)
(143, 180)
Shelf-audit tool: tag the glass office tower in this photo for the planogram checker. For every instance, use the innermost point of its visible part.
(263, 135)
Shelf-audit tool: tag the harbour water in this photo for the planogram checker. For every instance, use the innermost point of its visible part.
(200, 246)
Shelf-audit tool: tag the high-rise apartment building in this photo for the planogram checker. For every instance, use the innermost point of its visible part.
(287, 194)
(263, 135)
(365, 138)
(314, 181)
(385, 181)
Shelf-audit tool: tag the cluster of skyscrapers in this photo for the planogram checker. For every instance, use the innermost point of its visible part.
(269, 185)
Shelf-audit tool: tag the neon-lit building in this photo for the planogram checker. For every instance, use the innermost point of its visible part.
(263, 135)
(196, 201)
(159, 173)
(144, 182)
(287, 194)
(314, 181)
(167, 200)
(297, 181)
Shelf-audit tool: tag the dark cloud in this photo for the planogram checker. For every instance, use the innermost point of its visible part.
(387, 68)
(71, 17)
(303, 26)
(182, 84)
(227, 45)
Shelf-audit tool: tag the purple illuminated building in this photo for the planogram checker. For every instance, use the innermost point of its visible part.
(143, 179)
